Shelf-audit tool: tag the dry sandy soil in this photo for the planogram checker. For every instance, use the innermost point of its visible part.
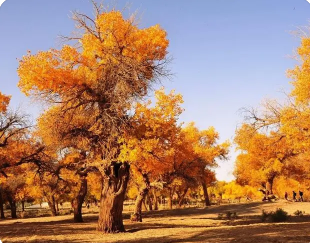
(180, 225)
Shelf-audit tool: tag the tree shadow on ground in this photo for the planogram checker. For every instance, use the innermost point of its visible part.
(249, 208)
(246, 228)
(49, 228)
(258, 233)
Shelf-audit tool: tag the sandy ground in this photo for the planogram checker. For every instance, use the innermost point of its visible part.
(179, 225)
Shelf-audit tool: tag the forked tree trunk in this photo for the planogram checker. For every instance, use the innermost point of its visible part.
(13, 207)
(52, 204)
(77, 202)
(206, 195)
(143, 191)
(1, 206)
(112, 198)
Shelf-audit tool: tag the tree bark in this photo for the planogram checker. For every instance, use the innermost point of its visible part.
(155, 200)
(1, 206)
(52, 205)
(115, 182)
(206, 195)
(13, 207)
(77, 202)
(137, 215)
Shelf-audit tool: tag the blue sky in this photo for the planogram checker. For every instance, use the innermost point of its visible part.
(227, 54)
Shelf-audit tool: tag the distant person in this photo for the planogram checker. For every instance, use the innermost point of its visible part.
(301, 198)
(294, 196)
(286, 196)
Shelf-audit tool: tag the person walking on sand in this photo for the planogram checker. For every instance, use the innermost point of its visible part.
(301, 194)
(286, 196)
(294, 196)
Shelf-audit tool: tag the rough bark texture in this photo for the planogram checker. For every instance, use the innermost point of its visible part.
(1, 206)
(115, 182)
(206, 195)
(143, 191)
(52, 204)
(78, 201)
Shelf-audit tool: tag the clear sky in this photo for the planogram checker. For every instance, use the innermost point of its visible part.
(228, 54)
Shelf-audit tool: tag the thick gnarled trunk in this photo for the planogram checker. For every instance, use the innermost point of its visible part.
(206, 195)
(77, 202)
(112, 198)
(143, 191)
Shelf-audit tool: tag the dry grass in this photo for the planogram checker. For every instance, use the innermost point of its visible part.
(182, 225)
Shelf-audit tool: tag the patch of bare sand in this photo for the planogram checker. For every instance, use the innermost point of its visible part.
(179, 225)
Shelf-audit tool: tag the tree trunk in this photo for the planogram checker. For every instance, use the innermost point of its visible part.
(77, 202)
(137, 215)
(115, 182)
(23, 206)
(149, 202)
(170, 198)
(1, 206)
(182, 196)
(13, 207)
(269, 186)
(206, 195)
(144, 205)
(57, 207)
(52, 205)
(155, 200)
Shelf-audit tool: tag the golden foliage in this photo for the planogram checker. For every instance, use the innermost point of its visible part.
(4, 102)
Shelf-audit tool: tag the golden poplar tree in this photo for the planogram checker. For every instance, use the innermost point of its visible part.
(94, 82)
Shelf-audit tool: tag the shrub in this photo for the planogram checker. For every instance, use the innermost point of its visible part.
(231, 215)
(65, 212)
(275, 216)
(264, 215)
(220, 216)
(279, 215)
(299, 213)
